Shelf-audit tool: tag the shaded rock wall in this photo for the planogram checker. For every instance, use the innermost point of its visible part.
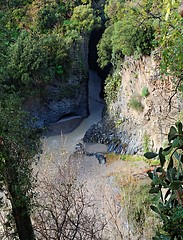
(62, 98)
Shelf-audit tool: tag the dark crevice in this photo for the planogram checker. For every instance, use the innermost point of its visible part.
(95, 37)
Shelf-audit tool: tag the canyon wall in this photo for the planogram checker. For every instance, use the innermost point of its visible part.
(138, 119)
(67, 97)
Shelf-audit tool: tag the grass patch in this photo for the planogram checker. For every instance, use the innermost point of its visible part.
(112, 157)
(145, 92)
(139, 158)
(136, 202)
(136, 104)
(132, 158)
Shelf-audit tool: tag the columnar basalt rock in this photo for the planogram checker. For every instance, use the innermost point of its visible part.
(63, 98)
(136, 130)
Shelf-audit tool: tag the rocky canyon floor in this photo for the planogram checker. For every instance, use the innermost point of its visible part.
(100, 180)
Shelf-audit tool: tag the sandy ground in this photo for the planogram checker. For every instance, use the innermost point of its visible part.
(99, 179)
(100, 183)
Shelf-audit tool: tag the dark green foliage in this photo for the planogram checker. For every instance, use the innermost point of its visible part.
(15, 3)
(129, 31)
(52, 15)
(18, 146)
(48, 17)
(167, 184)
(105, 48)
(143, 40)
(34, 60)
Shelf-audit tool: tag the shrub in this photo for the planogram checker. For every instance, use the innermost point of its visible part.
(167, 185)
(136, 104)
(145, 92)
(146, 142)
(112, 86)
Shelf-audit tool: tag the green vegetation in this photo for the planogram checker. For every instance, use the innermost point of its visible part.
(39, 41)
(135, 202)
(112, 84)
(132, 158)
(19, 143)
(135, 103)
(146, 142)
(36, 60)
(167, 185)
(145, 92)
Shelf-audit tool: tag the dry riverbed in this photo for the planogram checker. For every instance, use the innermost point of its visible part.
(101, 183)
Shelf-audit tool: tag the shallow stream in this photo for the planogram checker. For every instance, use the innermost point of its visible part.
(66, 143)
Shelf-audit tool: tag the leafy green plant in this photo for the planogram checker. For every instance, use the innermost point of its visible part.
(167, 185)
(112, 87)
(135, 104)
(145, 92)
(146, 142)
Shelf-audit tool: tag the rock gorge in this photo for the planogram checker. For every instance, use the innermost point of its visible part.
(67, 98)
(135, 121)
(125, 128)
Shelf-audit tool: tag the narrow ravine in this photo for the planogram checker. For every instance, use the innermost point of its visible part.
(98, 179)
(53, 144)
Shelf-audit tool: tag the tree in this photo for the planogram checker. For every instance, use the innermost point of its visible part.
(130, 30)
(84, 19)
(18, 146)
(36, 60)
(63, 210)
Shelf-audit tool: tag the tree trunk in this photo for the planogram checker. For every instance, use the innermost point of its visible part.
(23, 223)
(20, 204)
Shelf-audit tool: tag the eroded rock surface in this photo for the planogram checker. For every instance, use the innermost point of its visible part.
(129, 130)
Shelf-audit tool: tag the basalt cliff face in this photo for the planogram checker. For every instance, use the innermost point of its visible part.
(144, 109)
(67, 97)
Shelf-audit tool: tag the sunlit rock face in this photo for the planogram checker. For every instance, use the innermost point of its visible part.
(142, 124)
